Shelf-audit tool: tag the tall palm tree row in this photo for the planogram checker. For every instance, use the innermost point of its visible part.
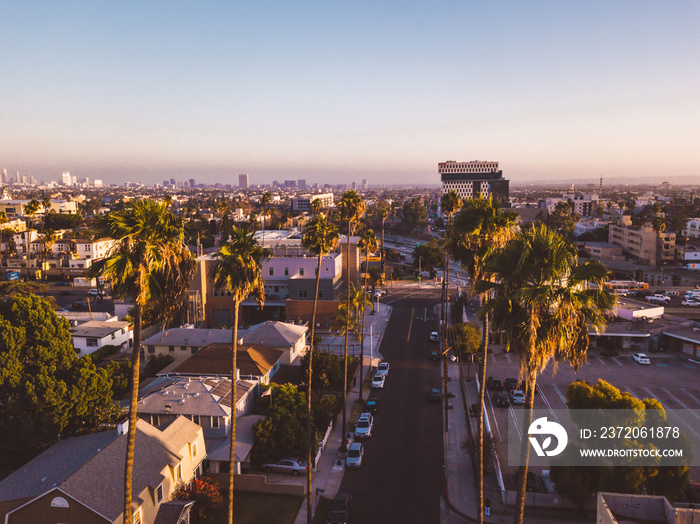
(237, 270)
(369, 244)
(479, 229)
(320, 237)
(265, 204)
(449, 204)
(351, 208)
(542, 306)
(146, 236)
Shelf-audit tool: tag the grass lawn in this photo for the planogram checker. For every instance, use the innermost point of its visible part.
(255, 508)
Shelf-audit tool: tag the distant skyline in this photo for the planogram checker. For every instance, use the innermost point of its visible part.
(338, 92)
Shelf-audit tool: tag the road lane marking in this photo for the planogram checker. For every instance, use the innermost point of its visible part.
(511, 411)
(493, 358)
(408, 337)
(556, 388)
(683, 405)
(672, 413)
(495, 420)
(631, 392)
(617, 361)
(549, 406)
(507, 357)
(690, 395)
(601, 361)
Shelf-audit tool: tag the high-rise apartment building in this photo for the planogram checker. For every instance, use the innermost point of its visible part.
(193, 182)
(243, 181)
(470, 179)
(66, 178)
(4, 177)
(301, 183)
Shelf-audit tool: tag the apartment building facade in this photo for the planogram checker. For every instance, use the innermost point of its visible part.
(644, 243)
(477, 177)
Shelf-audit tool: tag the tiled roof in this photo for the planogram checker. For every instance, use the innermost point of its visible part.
(215, 359)
(275, 334)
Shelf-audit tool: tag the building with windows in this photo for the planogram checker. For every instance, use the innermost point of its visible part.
(90, 336)
(470, 179)
(585, 204)
(644, 243)
(303, 202)
(692, 228)
(243, 181)
(79, 480)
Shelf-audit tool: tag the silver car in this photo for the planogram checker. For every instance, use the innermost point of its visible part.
(378, 381)
(290, 465)
(355, 453)
(364, 426)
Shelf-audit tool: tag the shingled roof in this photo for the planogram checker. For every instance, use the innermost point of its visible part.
(215, 360)
(275, 334)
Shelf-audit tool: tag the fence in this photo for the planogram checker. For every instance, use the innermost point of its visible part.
(258, 484)
(322, 444)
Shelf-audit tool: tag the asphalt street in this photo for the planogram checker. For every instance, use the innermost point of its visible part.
(402, 478)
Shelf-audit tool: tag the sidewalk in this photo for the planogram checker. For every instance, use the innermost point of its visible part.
(331, 466)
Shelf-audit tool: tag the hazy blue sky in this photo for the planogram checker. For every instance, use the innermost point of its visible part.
(339, 91)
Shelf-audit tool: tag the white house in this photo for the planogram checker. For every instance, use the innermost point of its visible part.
(91, 336)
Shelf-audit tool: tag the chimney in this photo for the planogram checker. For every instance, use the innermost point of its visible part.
(123, 427)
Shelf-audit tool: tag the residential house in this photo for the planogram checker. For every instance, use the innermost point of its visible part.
(80, 480)
(289, 337)
(180, 343)
(95, 334)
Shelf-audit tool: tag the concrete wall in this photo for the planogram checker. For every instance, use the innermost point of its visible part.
(259, 484)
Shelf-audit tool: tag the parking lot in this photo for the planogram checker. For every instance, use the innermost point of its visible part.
(670, 379)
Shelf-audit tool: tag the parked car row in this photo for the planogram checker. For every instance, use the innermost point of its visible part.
(510, 391)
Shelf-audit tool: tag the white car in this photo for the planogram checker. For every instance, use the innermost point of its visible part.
(434, 337)
(383, 369)
(378, 381)
(379, 293)
(364, 426)
(691, 302)
(641, 358)
(355, 453)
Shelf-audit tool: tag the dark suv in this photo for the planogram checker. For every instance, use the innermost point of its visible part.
(495, 384)
(340, 509)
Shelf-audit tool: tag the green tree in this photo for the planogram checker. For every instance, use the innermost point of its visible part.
(369, 244)
(543, 308)
(428, 256)
(30, 210)
(238, 270)
(466, 337)
(46, 391)
(580, 484)
(320, 238)
(327, 372)
(563, 219)
(351, 208)
(265, 204)
(479, 229)
(414, 215)
(148, 241)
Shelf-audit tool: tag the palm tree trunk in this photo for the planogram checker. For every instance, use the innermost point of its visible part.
(362, 339)
(383, 270)
(133, 412)
(525, 448)
(309, 506)
(480, 507)
(344, 445)
(234, 364)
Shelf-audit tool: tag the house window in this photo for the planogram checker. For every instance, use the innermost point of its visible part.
(215, 422)
(171, 348)
(151, 349)
(194, 450)
(272, 271)
(301, 271)
(195, 419)
(178, 472)
(183, 348)
(303, 293)
(91, 342)
(194, 349)
(286, 271)
(159, 494)
(114, 336)
(320, 293)
(155, 420)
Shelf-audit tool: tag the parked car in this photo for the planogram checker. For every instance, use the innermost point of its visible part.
(355, 453)
(494, 384)
(517, 397)
(434, 336)
(340, 509)
(371, 405)
(94, 292)
(435, 394)
(383, 369)
(364, 426)
(501, 400)
(511, 383)
(379, 293)
(65, 292)
(62, 284)
(691, 302)
(659, 299)
(80, 305)
(434, 354)
(378, 381)
(289, 465)
(641, 358)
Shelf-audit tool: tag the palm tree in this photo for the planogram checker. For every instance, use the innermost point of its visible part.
(369, 244)
(351, 208)
(449, 204)
(478, 230)
(543, 309)
(265, 201)
(3, 220)
(315, 206)
(145, 236)
(383, 214)
(320, 237)
(238, 271)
